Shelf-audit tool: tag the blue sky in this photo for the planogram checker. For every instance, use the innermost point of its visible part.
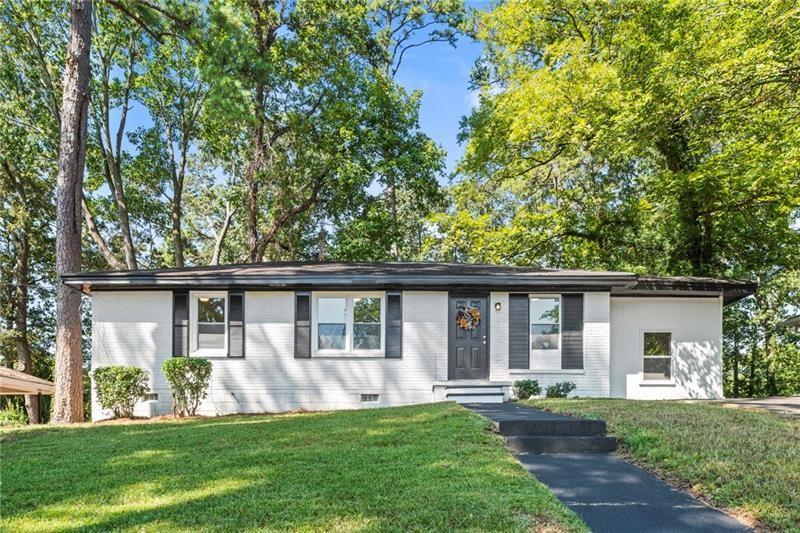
(442, 72)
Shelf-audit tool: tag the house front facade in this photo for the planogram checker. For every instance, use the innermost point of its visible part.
(287, 336)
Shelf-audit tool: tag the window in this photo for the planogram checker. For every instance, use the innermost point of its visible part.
(367, 323)
(332, 323)
(657, 350)
(545, 323)
(349, 323)
(209, 311)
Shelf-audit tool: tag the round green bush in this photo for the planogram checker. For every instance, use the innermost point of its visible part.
(524, 389)
(119, 387)
(188, 379)
(560, 390)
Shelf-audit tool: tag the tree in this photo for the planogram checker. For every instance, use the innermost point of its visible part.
(652, 137)
(305, 73)
(172, 89)
(72, 154)
(602, 118)
(400, 27)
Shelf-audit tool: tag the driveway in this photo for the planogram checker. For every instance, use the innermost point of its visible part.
(787, 405)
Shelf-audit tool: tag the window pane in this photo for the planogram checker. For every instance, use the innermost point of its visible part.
(366, 323)
(657, 343)
(331, 327)
(367, 310)
(211, 323)
(657, 368)
(544, 311)
(367, 336)
(331, 311)
(331, 336)
(544, 336)
(211, 310)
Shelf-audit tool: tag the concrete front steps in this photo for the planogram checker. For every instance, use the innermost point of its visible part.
(529, 430)
(475, 393)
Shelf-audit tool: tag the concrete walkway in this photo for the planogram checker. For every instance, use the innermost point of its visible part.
(609, 493)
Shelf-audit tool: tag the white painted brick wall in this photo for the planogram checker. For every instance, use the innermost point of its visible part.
(593, 380)
(135, 328)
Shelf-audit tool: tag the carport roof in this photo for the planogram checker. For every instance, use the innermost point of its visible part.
(16, 382)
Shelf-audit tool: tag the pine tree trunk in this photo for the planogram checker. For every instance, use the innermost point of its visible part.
(68, 405)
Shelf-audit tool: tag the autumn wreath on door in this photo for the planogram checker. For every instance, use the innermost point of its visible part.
(468, 317)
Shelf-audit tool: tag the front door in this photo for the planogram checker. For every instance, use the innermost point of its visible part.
(468, 337)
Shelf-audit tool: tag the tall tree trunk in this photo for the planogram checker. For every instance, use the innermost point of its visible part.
(251, 177)
(21, 323)
(736, 356)
(223, 232)
(98, 238)
(72, 155)
(22, 250)
(177, 234)
(394, 249)
(751, 392)
(769, 360)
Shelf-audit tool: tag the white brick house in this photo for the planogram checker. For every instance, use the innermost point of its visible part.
(285, 336)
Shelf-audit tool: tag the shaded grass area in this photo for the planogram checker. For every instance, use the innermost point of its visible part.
(424, 467)
(745, 461)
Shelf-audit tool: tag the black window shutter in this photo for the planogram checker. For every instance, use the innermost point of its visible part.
(180, 323)
(519, 330)
(572, 331)
(394, 324)
(302, 324)
(235, 324)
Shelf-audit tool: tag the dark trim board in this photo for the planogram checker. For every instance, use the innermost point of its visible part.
(294, 276)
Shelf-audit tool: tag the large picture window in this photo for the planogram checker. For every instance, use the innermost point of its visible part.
(657, 348)
(349, 323)
(208, 323)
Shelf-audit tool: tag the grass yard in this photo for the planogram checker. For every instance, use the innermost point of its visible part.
(742, 460)
(425, 467)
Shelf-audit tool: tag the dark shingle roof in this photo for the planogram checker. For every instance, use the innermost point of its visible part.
(408, 275)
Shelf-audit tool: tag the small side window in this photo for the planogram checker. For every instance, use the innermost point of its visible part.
(657, 364)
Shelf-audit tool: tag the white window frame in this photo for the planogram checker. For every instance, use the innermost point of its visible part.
(539, 356)
(194, 351)
(348, 350)
(671, 357)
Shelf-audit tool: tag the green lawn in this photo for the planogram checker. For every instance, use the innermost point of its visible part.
(426, 467)
(745, 461)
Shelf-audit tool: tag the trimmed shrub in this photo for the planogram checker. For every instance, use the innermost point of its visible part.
(560, 390)
(188, 379)
(119, 387)
(526, 388)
